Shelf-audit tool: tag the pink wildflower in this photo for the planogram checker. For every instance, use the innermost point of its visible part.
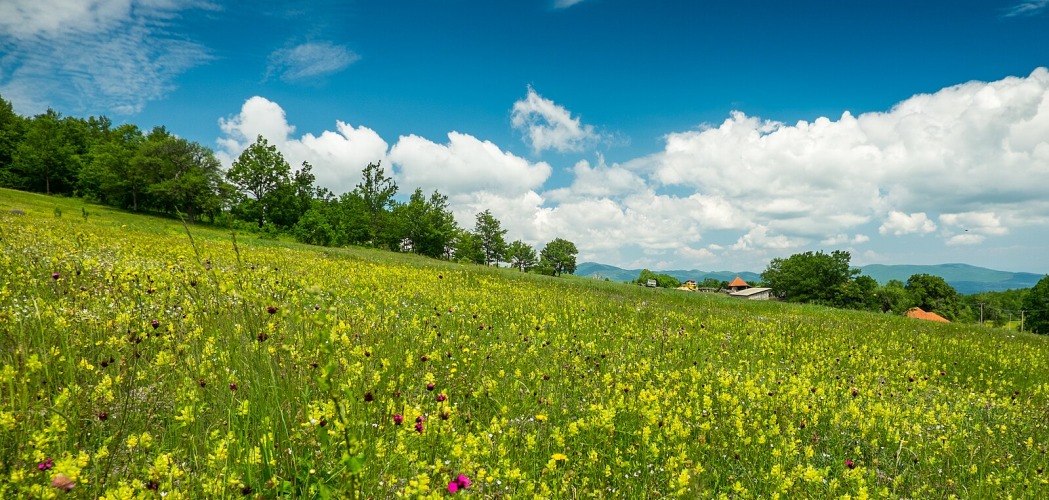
(460, 483)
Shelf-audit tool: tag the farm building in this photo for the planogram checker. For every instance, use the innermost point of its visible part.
(753, 293)
(918, 313)
(737, 285)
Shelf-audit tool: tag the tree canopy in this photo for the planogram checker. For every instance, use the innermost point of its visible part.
(1036, 304)
(932, 293)
(810, 277)
(521, 255)
(491, 237)
(259, 172)
(662, 280)
(559, 255)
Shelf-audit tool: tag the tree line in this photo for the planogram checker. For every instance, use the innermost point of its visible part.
(828, 279)
(160, 173)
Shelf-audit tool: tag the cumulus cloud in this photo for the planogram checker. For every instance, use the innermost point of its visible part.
(899, 224)
(465, 164)
(337, 157)
(966, 239)
(967, 149)
(547, 125)
(310, 60)
(956, 166)
(116, 55)
(986, 223)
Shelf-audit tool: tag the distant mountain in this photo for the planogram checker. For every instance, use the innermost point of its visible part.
(613, 273)
(963, 277)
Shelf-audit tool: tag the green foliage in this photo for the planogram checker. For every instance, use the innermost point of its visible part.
(11, 129)
(996, 307)
(185, 177)
(313, 228)
(860, 293)
(662, 280)
(521, 255)
(713, 283)
(559, 255)
(1036, 304)
(376, 191)
(932, 293)
(426, 225)
(491, 238)
(260, 172)
(893, 297)
(467, 248)
(46, 158)
(810, 277)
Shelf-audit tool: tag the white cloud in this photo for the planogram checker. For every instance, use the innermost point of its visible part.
(464, 165)
(1027, 9)
(600, 180)
(547, 125)
(111, 54)
(985, 223)
(972, 148)
(310, 60)
(844, 239)
(966, 239)
(733, 195)
(337, 157)
(564, 4)
(899, 224)
(759, 238)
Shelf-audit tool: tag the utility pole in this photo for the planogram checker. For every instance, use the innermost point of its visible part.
(1021, 320)
(981, 313)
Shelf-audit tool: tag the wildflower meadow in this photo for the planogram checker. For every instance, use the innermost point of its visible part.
(142, 358)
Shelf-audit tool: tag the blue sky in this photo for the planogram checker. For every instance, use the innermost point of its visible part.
(661, 134)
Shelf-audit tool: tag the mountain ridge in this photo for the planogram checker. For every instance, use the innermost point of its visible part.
(965, 278)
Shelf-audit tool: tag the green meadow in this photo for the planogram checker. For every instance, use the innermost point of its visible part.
(142, 358)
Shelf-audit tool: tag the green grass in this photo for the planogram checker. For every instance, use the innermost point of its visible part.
(276, 369)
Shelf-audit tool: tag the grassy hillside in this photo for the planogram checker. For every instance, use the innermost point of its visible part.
(138, 361)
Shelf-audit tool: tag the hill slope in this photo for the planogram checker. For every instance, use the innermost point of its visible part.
(136, 360)
(963, 277)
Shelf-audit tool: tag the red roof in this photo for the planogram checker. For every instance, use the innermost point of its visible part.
(917, 312)
(738, 282)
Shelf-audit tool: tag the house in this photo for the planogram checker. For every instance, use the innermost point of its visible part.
(918, 313)
(651, 283)
(753, 293)
(737, 285)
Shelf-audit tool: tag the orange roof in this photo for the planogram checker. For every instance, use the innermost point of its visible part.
(738, 282)
(917, 312)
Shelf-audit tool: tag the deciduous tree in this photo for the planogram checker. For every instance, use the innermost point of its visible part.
(259, 172)
(376, 191)
(810, 277)
(560, 255)
(932, 293)
(1036, 306)
(491, 236)
(521, 255)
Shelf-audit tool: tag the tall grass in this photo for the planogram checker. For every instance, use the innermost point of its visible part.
(136, 361)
